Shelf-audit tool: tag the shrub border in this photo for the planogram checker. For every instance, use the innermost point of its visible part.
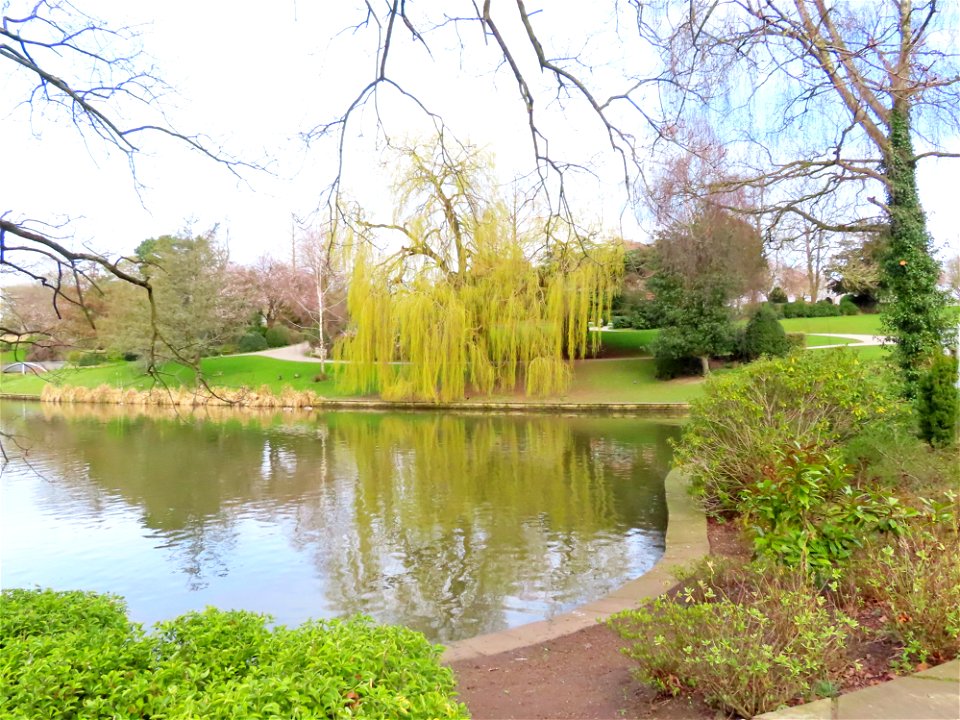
(686, 542)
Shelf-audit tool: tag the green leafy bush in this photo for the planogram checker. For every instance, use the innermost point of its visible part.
(848, 307)
(746, 652)
(916, 579)
(75, 655)
(635, 310)
(744, 420)
(938, 402)
(806, 511)
(86, 358)
(277, 336)
(683, 349)
(889, 456)
(61, 651)
(670, 360)
(802, 309)
(763, 336)
(252, 342)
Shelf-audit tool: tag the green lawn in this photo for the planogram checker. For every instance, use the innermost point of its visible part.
(818, 340)
(620, 380)
(636, 343)
(233, 371)
(626, 342)
(9, 356)
(871, 352)
(853, 324)
(628, 380)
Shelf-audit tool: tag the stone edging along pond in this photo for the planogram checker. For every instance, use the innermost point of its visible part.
(247, 399)
(686, 542)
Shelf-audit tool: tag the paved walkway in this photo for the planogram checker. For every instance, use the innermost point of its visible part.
(933, 694)
(297, 353)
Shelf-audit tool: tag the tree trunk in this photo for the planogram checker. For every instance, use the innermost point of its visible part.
(321, 343)
(914, 314)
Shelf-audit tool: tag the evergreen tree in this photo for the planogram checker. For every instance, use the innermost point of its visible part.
(939, 402)
(764, 335)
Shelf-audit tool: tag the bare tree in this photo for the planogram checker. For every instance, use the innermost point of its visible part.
(324, 252)
(807, 244)
(548, 74)
(853, 87)
(828, 81)
(75, 68)
(951, 276)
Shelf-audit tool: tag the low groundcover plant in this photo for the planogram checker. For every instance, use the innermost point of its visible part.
(76, 655)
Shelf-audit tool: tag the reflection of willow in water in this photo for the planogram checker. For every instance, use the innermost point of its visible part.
(459, 519)
(448, 523)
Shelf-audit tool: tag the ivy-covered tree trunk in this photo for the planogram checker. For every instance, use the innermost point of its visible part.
(914, 309)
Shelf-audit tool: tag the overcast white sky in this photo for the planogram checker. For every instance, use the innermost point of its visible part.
(254, 80)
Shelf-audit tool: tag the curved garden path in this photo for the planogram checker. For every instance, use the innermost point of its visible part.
(858, 340)
(298, 352)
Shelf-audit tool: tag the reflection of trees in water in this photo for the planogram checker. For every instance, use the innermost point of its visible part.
(456, 517)
(443, 522)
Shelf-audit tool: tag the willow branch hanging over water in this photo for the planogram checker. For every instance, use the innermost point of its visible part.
(472, 301)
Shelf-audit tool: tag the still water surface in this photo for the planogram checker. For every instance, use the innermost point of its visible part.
(452, 524)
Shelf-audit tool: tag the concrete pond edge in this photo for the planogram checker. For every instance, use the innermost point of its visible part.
(686, 542)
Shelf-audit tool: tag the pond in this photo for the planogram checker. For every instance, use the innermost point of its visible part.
(453, 524)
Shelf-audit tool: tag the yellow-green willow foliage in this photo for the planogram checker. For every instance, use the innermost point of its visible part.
(504, 322)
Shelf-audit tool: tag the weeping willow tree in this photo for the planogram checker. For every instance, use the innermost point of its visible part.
(471, 301)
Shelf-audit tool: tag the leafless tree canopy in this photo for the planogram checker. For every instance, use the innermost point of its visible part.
(807, 89)
(76, 68)
(799, 91)
(515, 40)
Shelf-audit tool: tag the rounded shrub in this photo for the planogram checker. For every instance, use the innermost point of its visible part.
(764, 336)
(848, 307)
(89, 359)
(777, 295)
(277, 336)
(252, 342)
(796, 341)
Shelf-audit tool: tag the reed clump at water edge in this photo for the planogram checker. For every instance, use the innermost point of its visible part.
(263, 397)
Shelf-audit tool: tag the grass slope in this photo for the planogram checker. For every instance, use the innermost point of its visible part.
(852, 324)
(231, 371)
(620, 380)
(637, 343)
(628, 380)
(626, 342)
(820, 340)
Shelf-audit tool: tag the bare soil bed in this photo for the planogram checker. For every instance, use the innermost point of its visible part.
(584, 675)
